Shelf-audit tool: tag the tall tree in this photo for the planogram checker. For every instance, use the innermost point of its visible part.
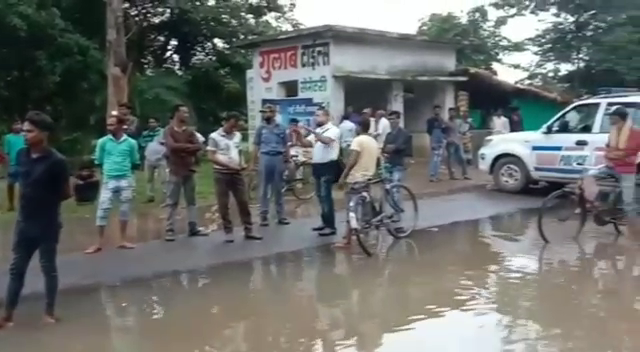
(118, 67)
(480, 37)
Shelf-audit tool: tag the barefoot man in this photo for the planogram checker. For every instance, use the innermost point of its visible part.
(117, 155)
(44, 179)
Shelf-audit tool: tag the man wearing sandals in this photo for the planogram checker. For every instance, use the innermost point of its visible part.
(44, 181)
(117, 155)
(622, 153)
(360, 167)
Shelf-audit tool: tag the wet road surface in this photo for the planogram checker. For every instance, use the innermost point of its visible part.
(487, 285)
(158, 257)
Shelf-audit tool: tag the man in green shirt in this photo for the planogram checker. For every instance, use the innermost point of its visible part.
(117, 155)
(13, 142)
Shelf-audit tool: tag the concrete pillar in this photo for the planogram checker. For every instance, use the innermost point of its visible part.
(395, 99)
(336, 94)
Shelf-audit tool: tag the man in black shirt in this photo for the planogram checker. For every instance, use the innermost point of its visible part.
(44, 184)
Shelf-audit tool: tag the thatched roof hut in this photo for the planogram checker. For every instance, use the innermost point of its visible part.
(486, 82)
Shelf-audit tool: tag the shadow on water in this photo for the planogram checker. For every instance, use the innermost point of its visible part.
(486, 285)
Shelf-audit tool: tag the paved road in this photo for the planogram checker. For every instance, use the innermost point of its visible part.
(157, 257)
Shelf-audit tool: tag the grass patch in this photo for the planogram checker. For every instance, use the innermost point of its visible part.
(204, 196)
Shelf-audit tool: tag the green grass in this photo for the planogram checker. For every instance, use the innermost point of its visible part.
(204, 195)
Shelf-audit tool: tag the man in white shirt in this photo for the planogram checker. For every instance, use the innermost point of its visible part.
(325, 141)
(347, 134)
(382, 127)
(500, 123)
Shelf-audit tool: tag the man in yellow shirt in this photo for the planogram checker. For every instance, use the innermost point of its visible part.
(360, 167)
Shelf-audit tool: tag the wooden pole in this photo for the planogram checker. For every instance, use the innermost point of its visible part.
(118, 66)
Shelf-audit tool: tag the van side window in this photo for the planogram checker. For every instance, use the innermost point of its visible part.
(579, 119)
(634, 114)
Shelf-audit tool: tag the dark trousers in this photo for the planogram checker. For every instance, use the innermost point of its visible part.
(232, 183)
(24, 247)
(324, 185)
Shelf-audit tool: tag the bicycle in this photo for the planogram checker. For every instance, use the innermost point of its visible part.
(301, 185)
(605, 208)
(365, 215)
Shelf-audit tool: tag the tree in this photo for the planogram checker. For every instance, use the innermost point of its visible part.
(586, 44)
(118, 67)
(53, 55)
(480, 38)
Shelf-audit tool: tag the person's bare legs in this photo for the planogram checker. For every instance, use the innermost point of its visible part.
(102, 214)
(126, 196)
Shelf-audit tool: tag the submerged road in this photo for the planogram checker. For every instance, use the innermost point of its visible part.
(157, 257)
(485, 285)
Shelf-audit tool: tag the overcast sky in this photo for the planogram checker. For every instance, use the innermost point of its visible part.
(404, 15)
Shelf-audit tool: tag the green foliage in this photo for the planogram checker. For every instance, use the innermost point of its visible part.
(52, 54)
(586, 44)
(479, 36)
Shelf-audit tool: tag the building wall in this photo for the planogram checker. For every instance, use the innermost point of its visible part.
(536, 112)
(391, 57)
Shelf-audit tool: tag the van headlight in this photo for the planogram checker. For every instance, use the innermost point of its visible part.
(487, 141)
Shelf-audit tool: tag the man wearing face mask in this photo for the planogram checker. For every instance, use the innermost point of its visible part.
(270, 153)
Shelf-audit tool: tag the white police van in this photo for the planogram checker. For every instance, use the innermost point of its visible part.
(577, 135)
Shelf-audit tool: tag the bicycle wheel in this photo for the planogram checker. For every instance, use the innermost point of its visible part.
(357, 216)
(403, 213)
(302, 186)
(569, 208)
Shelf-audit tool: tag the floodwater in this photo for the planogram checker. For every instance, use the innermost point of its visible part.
(486, 285)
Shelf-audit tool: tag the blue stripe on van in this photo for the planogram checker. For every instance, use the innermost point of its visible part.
(544, 148)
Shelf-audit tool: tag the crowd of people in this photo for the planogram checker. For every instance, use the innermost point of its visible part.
(344, 154)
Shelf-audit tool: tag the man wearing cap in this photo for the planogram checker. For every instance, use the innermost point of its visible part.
(270, 153)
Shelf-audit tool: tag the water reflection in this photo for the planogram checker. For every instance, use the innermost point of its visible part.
(468, 286)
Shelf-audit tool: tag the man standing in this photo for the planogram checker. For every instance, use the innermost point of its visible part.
(13, 142)
(360, 167)
(131, 122)
(182, 147)
(117, 155)
(499, 123)
(436, 129)
(454, 145)
(515, 122)
(44, 177)
(157, 165)
(271, 151)
(396, 147)
(223, 149)
(381, 129)
(325, 141)
(347, 134)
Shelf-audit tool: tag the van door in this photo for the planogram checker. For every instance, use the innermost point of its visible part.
(565, 141)
(605, 127)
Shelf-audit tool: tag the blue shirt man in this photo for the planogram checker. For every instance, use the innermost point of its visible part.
(271, 149)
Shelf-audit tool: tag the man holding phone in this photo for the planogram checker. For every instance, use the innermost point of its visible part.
(223, 150)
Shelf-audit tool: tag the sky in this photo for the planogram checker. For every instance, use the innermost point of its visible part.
(403, 16)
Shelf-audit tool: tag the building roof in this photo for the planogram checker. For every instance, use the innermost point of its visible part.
(487, 78)
(332, 31)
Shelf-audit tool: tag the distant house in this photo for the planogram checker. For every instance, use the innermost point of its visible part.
(487, 93)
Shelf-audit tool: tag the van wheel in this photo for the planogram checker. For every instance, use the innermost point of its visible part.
(510, 175)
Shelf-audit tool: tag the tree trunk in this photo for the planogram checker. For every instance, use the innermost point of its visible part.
(118, 66)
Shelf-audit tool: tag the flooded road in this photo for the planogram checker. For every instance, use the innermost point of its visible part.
(487, 285)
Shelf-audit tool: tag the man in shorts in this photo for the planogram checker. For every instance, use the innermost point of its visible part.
(360, 167)
(117, 155)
